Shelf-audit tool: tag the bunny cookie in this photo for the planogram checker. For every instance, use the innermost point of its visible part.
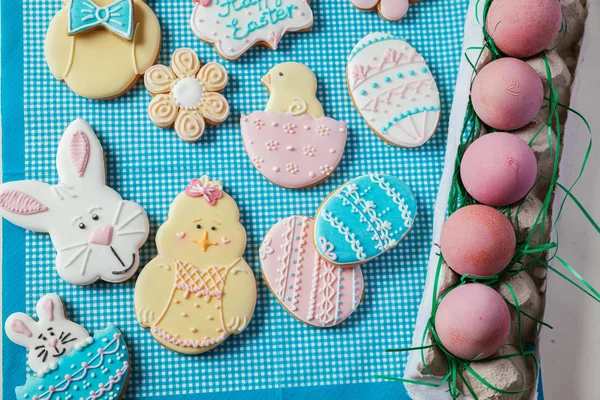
(96, 233)
(67, 361)
(100, 48)
(199, 289)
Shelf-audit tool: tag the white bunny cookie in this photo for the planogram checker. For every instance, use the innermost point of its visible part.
(96, 233)
(51, 337)
(100, 48)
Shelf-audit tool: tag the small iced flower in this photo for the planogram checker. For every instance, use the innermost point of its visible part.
(258, 123)
(257, 161)
(292, 168)
(326, 169)
(309, 151)
(289, 128)
(323, 130)
(368, 206)
(385, 225)
(272, 145)
(351, 189)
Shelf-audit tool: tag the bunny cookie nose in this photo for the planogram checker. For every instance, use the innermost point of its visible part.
(53, 342)
(102, 235)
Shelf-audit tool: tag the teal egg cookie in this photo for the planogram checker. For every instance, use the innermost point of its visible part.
(363, 219)
(97, 368)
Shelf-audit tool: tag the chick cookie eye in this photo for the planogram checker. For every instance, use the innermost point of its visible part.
(81, 225)
(213, 228)
(198, 226)
(281, 74)
(95, 217)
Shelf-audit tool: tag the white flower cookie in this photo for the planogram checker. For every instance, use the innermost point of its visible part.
(100, 48)
(390, 10)
(234, 26)
(96, 233)
(198, 290)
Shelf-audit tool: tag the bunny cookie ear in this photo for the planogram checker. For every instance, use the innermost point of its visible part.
(27, 204)
(21, 329)
(50, 308)
(80, 158)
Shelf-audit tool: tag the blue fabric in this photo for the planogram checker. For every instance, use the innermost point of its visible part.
(116, 17)
(277, 356)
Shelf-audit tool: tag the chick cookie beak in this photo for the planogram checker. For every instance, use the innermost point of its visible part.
(266, 80)
(204, 243)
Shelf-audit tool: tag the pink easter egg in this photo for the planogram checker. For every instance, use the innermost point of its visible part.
(507, 94)
(478, 240)
(472, 321)
(293, 151)
(498, 169)
(523, 28)
(314, 291)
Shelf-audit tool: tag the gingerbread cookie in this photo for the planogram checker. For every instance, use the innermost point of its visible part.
(186, 95)
(363, 219)
(292, 143)
(97, 234)
(391, 10)
(312, 290)
(69, 363)
(234, 26)
(198, 290)
(100, 48)
(394, 90)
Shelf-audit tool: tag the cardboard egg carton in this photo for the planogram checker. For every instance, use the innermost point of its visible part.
(515, 373)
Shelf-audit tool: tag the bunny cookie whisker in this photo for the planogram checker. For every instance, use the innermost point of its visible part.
(132, 218)
(76, 256)
(75, 246)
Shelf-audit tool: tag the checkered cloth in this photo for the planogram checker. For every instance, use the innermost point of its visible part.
(151, 166)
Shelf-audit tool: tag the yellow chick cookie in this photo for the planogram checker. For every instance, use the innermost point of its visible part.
(198, 290)
(293, 89)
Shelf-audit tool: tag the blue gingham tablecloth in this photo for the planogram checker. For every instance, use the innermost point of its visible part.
(277, 356)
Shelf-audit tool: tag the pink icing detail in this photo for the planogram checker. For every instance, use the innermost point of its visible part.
(187, 343)
(197, 189)
(365, 4)
(309, 288)
(393, 10)
(323, 134)
(20, 203)
(79, 150)
(20, 327)
(102, 235)
(48, 307)
(400, 91)
(391, 59)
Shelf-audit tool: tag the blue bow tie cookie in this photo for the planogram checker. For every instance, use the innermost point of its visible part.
(116, 17)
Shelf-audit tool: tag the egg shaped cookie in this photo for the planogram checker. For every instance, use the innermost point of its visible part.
(363, 219)
(312, 290)
(393, 90)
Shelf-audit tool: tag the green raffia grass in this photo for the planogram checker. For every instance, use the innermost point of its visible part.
(526, 256)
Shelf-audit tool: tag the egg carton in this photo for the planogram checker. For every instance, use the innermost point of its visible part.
(510, 374)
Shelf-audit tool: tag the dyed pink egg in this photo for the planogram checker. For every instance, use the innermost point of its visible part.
(523, 28)
(472, 321)
(507, 94)
(478, 240)
(498, 169)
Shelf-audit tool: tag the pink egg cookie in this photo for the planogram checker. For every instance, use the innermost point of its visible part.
(472, 321)
(507, 94)
(312, 290)
(498, 169)
(523, 28)
(478, 240)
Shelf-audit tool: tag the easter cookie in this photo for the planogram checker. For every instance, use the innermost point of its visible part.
(234, 26)
(391, 10)
(292, 143)
(393, 89)
(363, 219)
(100, 48)
(96, 233)
(68, 362)
(198, 290)
(314, 291)
(186, 95)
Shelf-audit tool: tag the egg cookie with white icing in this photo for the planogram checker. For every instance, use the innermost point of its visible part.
(198, 290)
(292, 143)
(100, 48)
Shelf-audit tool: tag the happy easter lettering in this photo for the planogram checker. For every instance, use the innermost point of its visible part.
(270, 13)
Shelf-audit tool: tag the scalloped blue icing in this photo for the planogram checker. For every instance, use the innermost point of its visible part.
(367, 42)
(96, 369)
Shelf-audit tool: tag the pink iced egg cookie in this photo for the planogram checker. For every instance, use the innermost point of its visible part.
(478, 240)
(293, 151)
(498, 169)
(523, 28)
(312, 290)
(507, 94)
(472, 321)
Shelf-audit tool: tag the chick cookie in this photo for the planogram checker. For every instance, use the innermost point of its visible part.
(100, 48)
(292, 143)
(390, 10)
(198, 290)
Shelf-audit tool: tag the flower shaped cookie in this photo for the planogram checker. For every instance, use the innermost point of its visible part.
(186, 96)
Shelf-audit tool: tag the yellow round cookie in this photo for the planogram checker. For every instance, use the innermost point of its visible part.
(198, 290)
(100, 48)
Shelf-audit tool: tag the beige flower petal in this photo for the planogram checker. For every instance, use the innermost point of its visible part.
(185, 63)
(189, 125)
(159, 78)
(214, 107)
(214, 76)
(163, 110)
